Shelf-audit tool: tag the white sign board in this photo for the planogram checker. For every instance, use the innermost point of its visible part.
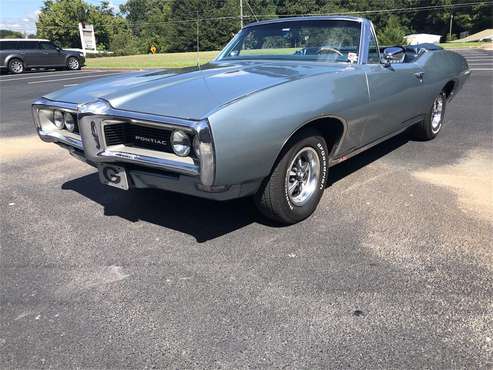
(87, 37)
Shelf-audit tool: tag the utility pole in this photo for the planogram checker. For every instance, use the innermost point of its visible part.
(450, 29)
(198, 40)
(241, 13)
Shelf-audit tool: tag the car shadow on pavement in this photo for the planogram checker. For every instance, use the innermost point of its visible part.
(363, 159)
(203, 219)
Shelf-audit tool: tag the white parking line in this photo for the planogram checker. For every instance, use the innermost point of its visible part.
(27, 74)
(481, 69)
(479, 59)
(71, 78)
(70, 85)
(77, 73)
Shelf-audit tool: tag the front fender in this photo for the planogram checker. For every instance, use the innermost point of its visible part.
(250, 133)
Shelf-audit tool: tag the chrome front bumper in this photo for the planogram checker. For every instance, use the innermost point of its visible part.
(91, 144)
(162, 161)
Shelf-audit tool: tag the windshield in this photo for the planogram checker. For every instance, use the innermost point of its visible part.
(317, 40)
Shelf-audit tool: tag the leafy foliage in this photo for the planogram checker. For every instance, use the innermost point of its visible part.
(392, 33)
(8, 34)
(172, 25)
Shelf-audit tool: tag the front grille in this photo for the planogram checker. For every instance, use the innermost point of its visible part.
(138, 136)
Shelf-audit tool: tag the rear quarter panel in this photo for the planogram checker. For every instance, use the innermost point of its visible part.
(250, 133)
(440, 67)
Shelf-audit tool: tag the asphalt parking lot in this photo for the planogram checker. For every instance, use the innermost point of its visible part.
(394, 270)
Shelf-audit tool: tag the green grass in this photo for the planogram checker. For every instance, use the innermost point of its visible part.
(460, 45)
(169, 60)
(173, 60)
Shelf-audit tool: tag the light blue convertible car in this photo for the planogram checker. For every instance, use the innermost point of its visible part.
(285, 100)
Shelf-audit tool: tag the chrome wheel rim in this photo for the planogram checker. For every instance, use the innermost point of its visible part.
(73, 63)
(16, 66)
(303, 176)
(436, 115)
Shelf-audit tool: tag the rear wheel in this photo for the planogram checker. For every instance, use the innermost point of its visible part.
(293, 190)
(16, 66)
(432, 124)
(73, 63)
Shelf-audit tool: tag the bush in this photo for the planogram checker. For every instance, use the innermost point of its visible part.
(393, 33)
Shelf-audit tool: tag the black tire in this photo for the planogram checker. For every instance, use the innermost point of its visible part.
(428, 129)
(73, 64)
(16, 66)
(273, 198)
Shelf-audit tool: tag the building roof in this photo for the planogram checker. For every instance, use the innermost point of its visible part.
(422, 35)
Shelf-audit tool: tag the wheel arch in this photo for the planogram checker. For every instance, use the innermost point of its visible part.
(14, 56)
(67, 57)
(449, 88)
(333, 129)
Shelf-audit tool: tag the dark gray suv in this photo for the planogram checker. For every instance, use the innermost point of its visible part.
(18, 55)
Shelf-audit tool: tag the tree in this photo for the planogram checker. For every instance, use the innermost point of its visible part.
(9, 34)
(393, 33)
(59, 21)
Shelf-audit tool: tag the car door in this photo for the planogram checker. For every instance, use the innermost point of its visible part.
(50, 55)
(29, 50)
(4, 50)
(394, 95)
(394, 98)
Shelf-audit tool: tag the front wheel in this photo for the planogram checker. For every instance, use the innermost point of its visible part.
(73, 64)
(293, 190)
(432, 124)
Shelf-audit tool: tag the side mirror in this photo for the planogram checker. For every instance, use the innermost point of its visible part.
(393, 55)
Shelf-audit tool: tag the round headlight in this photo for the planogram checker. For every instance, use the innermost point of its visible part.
(69, 122)
(58, 119)
(180, 143)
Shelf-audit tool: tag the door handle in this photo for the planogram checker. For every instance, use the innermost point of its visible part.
(419, 76)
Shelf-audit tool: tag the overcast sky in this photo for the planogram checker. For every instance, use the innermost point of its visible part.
(20, 15)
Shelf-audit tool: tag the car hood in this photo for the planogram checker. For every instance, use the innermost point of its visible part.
(190, 93)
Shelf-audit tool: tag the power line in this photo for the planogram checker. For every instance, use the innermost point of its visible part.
(251, 10)
(242, 16)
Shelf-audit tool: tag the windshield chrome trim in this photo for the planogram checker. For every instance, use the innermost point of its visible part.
(308, 18)
(361, 48)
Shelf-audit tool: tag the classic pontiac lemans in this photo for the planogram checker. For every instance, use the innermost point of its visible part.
(285, 100)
